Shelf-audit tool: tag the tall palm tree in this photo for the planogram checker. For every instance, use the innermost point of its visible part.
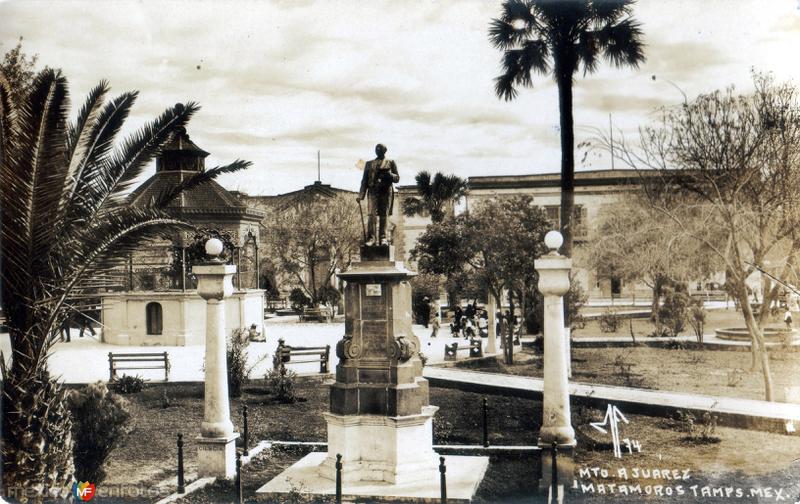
(556, 37)
(434, 194)
(65, 221)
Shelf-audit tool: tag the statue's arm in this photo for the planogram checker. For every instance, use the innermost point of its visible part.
(395, 174)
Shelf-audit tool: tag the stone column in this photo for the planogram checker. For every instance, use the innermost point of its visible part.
(217, 441)
(491, 345)
(553, 272)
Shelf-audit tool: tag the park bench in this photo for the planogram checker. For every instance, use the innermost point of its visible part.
(318, 314)
(137, 361)
(284, 355)
(474, 348)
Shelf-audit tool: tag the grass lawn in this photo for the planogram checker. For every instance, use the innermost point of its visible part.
(148, 456)
(642, 327)
(710, 372)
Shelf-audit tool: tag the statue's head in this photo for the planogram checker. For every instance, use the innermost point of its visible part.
(380, 149)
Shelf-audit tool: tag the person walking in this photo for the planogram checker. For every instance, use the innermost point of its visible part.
(434, 327)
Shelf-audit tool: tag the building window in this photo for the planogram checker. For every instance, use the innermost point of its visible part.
(554, 215)
(154, 318)
(579, 219)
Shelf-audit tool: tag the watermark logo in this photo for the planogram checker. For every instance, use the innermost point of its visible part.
(83, 491)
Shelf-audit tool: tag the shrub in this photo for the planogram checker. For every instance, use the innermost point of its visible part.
(443, 429)
(129, 384)
(299, 300)
(735, 377)
(238, 374)
(609, 321)
(99, 424)
(281, 384)
(699, 431)
(697, 318)
(674, 311)
(676, 345)
(329, 294)
(659, 332)
(577, 298)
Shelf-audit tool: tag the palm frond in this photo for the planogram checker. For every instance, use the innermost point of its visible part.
(533, 57)
(622, 43)
(588, 50)
(34, 169)
(504, 84)
(608, 11)
(423, 179)
(163, 199)
(96, 141)
(118, 173)
(413, 206)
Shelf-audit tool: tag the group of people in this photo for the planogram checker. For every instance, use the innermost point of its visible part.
(470, 323)
(473, 321)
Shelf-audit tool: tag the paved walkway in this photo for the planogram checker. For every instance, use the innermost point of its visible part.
(746, 413)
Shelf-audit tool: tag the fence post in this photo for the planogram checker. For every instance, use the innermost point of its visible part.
(485, 424)
(443, 480)
(239, 496)
(555, 472)
(338, 479)
(181, 487)
(110, 366)
(246, 437)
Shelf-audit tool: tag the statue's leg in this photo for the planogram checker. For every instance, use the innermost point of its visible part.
(371, 215)
(382, 228)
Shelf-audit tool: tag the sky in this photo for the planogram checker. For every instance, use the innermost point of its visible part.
(279, 80)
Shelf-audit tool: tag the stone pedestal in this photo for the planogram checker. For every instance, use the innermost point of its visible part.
(216, 457)
(216, 445)
(379, 448)
(380, 421)
(553, 272)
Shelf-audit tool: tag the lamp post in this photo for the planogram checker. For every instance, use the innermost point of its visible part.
(217, 441)
(685, 98)
(556, 428)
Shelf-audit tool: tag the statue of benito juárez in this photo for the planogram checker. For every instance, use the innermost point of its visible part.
(376, 185)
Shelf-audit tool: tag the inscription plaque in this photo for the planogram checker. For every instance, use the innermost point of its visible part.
(373, 290)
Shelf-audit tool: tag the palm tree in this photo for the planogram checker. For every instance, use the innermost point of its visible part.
(434, 195)
(65, 222)
(556, 37)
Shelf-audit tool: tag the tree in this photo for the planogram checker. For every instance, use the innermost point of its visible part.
(435, 195)
(19, 70)
(508, 236)
(556, 37)
(444, 249)
(495, 244)
(632, 243)
(727, 169)
(65, 222)
(311, 239)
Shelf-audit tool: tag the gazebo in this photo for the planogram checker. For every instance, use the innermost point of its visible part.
(158, 304)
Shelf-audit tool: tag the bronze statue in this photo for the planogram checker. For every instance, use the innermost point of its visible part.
(376, 184)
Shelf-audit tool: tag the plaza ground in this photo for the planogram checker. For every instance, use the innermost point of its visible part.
(741, 457)
(149, 454)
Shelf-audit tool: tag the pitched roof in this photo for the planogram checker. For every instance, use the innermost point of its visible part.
(209, 198)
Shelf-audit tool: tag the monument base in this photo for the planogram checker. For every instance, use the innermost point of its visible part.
(464, 474)
(379, 448)
(216, 457)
